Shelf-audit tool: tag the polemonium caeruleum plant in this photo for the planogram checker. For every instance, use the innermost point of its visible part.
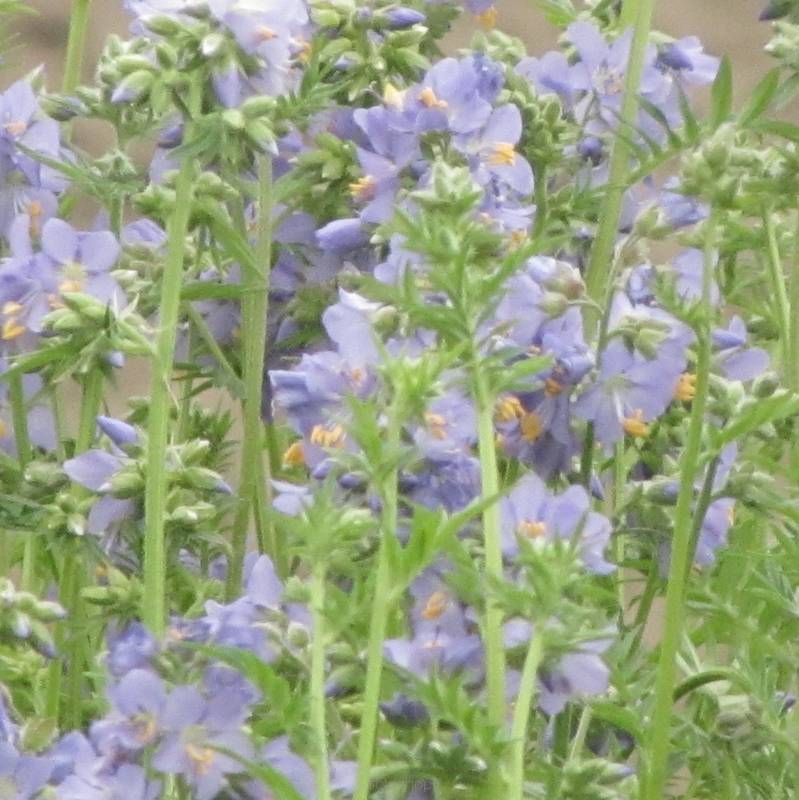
(466, 467)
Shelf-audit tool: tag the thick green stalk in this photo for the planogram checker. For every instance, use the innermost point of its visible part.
(254, 312)
(640, 13)
(778, 288)
(70, 639)
(521, 716)
(489, 474)
(19, 418)
(317, 687)
(792, 366)
(654, 764)
(379, 619)
(76, 44)
(155, 492)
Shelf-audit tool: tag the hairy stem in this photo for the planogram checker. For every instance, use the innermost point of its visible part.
(778, 288)
(317, 688)
(489, 475)
(155, 492)
(76, 44)
(659, 740)
(71, 636)
(521, 716)
(639, 13)
(792, 365)
(19, 418)
(254, 311)
(380, 609)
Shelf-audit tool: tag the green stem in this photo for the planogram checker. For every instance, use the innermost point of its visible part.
(792, 366)
(19, 417)
(76, 44)
(254, 311)
(659, 740)
(639, 13)
(317, 687)
(778, 287)
(541, 202)
(521, 716)
(489, 475)
(155, 492)
(612, 508)
(380, 609)
(581, 733)
(71, 636)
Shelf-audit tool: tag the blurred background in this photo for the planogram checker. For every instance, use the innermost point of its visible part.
(725, 26)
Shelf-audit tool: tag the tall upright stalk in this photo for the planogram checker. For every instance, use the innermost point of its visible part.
(19, 418)
(317, 687)
(792, 365)
(76, 43)
(380, 609)
(639, 14)
(521, 715)
(253, 495)
(155, 492)
(70, 636)
(654, 764)
(778, 288)
(489, 475)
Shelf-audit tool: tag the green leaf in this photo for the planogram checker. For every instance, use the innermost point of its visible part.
(721, 95)
(755, 414)
(275, 780)
(785, 130)
(761, 98)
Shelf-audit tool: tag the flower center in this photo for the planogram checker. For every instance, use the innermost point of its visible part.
(435, 606)
(16, 128)
(488, 18)
(294, 455)
(531, 530)
(531, 426)
(200, 757)
(608, 81)
(145, 727)
(328, 436)
(552, 387)
(436, 424)
(428, 98)
(263, 33)
(502, 154)
(509, 409)
(363, 188)
(686, 387)
(635, 425)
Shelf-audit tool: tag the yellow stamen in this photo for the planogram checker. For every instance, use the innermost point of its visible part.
(12, 328)
(363, 188)
(517, 238)
(146, 728)
(201, 757)
(502, 153)
(392, 96)
(531, 426)
(428, 98)
(11, 308)
(294, 455)
(70, 285)
(635, 425)
(686, 387)
(263, 33)
(531, 530)
(552, 387)
(357, 376)
(731, 514)
(436, 424)
(488, 18)
(435, 606)
(508, 409)
(16, 128)
(3, 430)
(328, 437)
